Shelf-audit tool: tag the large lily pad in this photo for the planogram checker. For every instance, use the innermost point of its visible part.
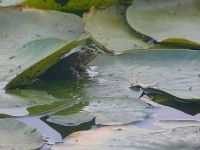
(17, 135)
(110, 31)
(108, 94)
(134, 138)
(169, 21)
(72, 5)
(39, 38)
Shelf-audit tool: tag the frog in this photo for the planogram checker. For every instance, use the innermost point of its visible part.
(72, 66)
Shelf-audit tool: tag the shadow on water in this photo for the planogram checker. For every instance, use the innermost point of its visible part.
(66, 130)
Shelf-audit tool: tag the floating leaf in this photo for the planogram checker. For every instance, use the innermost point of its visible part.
(134, 138)
(39, 38)
(174, 22)
(110, 31)
(17, 135)
(109, 97)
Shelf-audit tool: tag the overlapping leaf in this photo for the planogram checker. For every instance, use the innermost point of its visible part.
(32, 40)
(110, 31)
(175, 22)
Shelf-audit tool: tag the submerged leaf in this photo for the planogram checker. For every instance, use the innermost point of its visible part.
(175, 22)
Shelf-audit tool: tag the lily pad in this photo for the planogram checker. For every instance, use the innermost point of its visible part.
(17, 135)
(111, 99)
(36, 45)
(110, 30)
(174, 22)
(173, 71)
(107, 94)
(134, 138)
(72, 5)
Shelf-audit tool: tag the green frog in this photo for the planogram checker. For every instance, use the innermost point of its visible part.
(72, 66)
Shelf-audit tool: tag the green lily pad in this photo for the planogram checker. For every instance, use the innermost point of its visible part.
(17, 135)
(111, 100)
(36, 45)
(72, 5)
(107, 94)
(135, 138)
(173, 71)
(110, 31)
(49, 52)
(174, 22)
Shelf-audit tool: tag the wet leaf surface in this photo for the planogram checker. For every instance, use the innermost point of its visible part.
(39, 38)
(163, 20)
(111, 32)
(134, 138)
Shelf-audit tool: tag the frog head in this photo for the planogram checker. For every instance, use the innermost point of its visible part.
(88, 53)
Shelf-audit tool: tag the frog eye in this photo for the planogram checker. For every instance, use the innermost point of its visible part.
(91, 50)
(93, 46)
(83, 48)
